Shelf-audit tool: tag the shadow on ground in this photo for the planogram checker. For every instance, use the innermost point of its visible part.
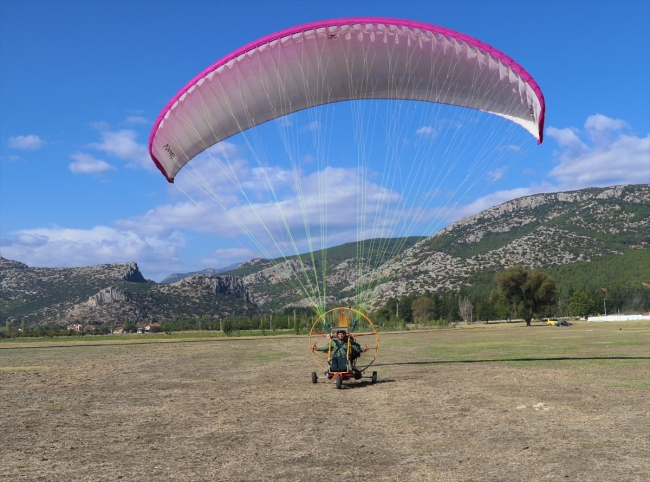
(496, 360)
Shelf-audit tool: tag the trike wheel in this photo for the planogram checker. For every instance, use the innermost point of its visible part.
(339, 381)
(374, 377)
(314, 377)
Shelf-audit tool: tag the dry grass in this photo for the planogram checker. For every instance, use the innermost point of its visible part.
(245, 409)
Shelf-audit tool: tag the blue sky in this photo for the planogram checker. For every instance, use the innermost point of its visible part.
(82, 82)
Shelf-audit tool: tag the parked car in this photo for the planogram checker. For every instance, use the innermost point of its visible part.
(563, 323)
(552, 321)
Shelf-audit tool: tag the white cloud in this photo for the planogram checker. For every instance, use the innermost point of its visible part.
(275, 221)
(223, 148)
(30, 239)
(136, 119)
(28, 143)
(499, 197)
(65, 247)
(566, 137)
(122, 145)
(88, 164)
(611, 157)
(427, 131)
(598, 123)
(228, 256)
(496, 174)
(154, 240)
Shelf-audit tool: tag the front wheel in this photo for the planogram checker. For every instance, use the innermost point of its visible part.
(374, 377)
(314, 377)
(339, 381)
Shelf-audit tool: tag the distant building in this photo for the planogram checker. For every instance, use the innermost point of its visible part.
(645, 316)
(118, 330)
(155, 326)
(76, 327)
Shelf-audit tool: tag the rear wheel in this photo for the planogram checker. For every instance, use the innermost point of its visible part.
(374, 377)
(339, 381)
(314, 377)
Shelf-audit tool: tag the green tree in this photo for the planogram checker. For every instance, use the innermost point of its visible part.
(129, 326)
(526, 292)
(486, 311)
(226, 327)
(204, 322)
(296, 324)
(263, 325)
(405, 311)
(423, 309)
(383, 315)
(580, 304)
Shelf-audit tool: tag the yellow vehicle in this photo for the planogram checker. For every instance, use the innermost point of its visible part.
(551, 321)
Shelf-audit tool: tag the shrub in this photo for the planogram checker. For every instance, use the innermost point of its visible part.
(226, 327)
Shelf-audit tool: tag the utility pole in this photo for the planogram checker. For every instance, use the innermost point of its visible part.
(397, 309)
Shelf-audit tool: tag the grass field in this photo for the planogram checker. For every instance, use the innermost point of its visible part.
(481, 402)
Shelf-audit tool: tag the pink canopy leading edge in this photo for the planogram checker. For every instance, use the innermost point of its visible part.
(339, 60)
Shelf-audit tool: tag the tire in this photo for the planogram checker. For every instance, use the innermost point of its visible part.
(314, 377)
(374, 377)
(339, 381)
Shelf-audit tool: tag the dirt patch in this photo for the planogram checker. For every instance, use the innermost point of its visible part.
(245, 409)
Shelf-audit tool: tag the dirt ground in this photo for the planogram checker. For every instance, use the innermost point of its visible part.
(245, 409)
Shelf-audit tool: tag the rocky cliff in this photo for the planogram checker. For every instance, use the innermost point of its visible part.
(112, 293)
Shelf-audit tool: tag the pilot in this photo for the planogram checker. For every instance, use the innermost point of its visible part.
(340, 348)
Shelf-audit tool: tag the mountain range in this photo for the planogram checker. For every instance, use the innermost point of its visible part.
(113, 293)
(589, 227)
(539, 231)
(172, 278)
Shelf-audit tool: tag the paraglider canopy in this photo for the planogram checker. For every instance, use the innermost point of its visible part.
(339, 60)
(384, 127)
